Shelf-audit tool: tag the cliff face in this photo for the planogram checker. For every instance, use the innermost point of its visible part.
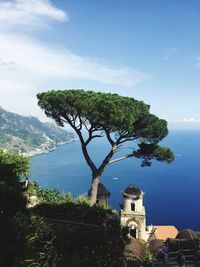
(25, 134)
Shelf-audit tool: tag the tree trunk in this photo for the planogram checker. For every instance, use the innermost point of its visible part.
(94, 189)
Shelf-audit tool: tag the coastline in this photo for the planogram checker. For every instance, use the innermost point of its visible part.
(39, 151)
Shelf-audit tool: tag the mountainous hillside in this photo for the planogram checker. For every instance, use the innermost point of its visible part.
(28, 134)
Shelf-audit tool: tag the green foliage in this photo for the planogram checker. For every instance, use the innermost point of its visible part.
(49, 196)
(75, 246)
(81, 246)
(32, 188)
(148, 258)
(25, 241)
(38, 242)
(68, 197)
(153, 151)
(12, 199)
(20, 243)
(109, 112)
(12, 231)
(119, 118)
(79, 212)
(53, 204)
(81, 199)
(12, 168)
(145, 260)
(59, 244)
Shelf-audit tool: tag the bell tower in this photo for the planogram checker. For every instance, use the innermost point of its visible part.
(133, 213)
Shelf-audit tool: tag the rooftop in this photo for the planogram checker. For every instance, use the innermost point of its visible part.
(102, 191)
(187, 234)
(132, 191)
(162, 232)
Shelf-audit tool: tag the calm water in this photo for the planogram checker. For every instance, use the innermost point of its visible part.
(172, 192)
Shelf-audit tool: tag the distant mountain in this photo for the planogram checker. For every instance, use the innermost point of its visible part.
(29, 135)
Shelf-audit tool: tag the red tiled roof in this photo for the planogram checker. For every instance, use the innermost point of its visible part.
(162, 232)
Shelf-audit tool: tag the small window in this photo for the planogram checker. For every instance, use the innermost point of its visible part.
(133, 206)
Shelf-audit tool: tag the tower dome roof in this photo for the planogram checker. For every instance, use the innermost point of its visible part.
(132, 191)
(101, 191)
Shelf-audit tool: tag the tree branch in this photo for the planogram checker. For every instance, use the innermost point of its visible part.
(122, 158)
(90, 137)
(83, 146)
(109, 138)
(107, 159)
(86, 154)
(123, 140)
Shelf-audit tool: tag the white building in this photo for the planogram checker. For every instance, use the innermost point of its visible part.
(133, 213)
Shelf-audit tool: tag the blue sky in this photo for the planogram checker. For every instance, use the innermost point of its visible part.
(145, 49)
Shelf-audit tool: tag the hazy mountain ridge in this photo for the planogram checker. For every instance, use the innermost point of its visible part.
(28, 134)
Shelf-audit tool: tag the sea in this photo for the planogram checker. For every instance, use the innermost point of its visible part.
(172, 191)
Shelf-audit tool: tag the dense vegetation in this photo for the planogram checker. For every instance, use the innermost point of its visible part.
(17, 230)
(12, 167)
(28, 239)
(119, 119)
(57, 206)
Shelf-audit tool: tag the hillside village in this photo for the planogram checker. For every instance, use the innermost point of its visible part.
(29, 136)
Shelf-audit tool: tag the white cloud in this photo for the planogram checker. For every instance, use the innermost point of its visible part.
(191, 123)
(191, 119)
(187, 120)
(34, 61)
(31, 13)
(29, 66)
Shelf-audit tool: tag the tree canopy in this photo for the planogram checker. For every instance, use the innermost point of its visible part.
(13, 167)
(118, 118)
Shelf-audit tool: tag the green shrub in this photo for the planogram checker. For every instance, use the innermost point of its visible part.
(81, 199)
(49, 196)
(25, 240)
(80, 212)
(20, 241)
(94, 246)
(68, 197)
(145, 260)
(12, 168)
